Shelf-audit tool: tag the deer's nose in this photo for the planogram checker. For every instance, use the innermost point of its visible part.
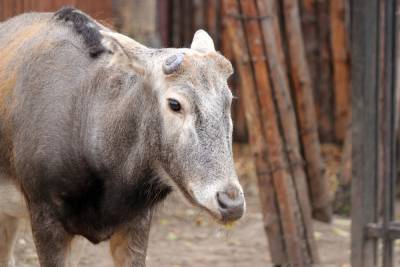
(231, 204)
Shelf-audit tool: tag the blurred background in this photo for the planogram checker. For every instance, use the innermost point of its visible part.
(292, 128)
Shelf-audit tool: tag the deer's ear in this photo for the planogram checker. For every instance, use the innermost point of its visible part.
(202, 42)
(121, 54)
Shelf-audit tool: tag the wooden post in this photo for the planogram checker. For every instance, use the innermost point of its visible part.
(387, 131)
(176, 24)
(310, 31)
(364, 124)
(139, 20)
(212, 19)
(239, 127)
(268, 198)
(323, 90)
(302, 88)
(276, 62)
(341, 67)
(345, 162)
(198, 14)
(267, 142)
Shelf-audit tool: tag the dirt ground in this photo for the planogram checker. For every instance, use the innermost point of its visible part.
(183, 236)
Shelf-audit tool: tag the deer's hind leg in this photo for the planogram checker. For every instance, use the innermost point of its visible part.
(12, 209)
(8, 232)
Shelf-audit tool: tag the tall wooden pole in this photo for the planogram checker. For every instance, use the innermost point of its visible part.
(303, 95)
(364, 47)
(287, 233)
(341, 67)
(268, 200)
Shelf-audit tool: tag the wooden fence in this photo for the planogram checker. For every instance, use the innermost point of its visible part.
(98, 9)
(292, 83)
(374, 145)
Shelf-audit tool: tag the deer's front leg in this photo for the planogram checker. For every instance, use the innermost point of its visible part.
(51, 240)
(129, 245)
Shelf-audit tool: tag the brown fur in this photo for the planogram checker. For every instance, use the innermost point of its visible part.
(8, 54)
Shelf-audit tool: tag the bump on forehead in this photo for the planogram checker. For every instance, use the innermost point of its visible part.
(200, 66)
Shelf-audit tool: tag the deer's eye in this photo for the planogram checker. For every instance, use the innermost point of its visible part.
(174, 105)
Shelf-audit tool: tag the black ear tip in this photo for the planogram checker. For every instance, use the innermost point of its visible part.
(84, 26)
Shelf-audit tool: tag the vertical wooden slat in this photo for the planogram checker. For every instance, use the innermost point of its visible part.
(163, 20)
(2, 16)
(187, 23)
(19, 6)
(267, 143)
(364, 108)
(212, 17)
(27, 5)
(287, 117)
(397, 31)
(13, 8)
(310, 31)
(239, 126)
(303, 95)
(341, 65)
(176, 23)
(282, 180)
(42, 6)
(381, 114)
(323, 90)
(198, 14)
(267, 195)
(6, 9)
(387, 131)
(57, 4)
(98, 9)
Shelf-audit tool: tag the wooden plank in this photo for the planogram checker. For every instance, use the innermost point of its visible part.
(267, 195)
(291, 222)
(19, 6)
(345, 161)
(138, 20)
(212, 17)
(6, 9)
(341, 67)
(28, 5)
(397, 114)
(198, 14)
(2, 15)
(239, 126)
(163, 8)
(364, 137)
(282, 180)
(98, 9)
(376, 230)
(176, 24)
(303, 95)
(57, 4)
(387, 131)
(278, 71)
(310, 32)
(323, 88)
(187, 23)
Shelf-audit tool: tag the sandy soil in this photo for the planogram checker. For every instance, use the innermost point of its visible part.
(183, 236)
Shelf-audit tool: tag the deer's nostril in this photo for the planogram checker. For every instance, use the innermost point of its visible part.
(221, 200)
(228, 201)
